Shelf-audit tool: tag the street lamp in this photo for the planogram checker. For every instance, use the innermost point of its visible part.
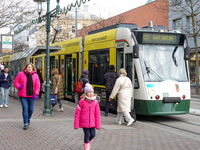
(47, 103)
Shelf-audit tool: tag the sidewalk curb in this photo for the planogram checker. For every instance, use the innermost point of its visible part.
(194, 111)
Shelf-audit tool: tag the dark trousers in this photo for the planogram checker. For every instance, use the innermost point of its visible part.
(89, 134)
(107, 104)
(59, 102)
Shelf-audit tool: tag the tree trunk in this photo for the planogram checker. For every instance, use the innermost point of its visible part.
(197, 66)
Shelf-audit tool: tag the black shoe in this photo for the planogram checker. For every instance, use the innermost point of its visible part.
(25, 127)
(106, 115)
(29, 122)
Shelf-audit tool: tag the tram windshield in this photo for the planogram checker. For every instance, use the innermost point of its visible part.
(163, 62)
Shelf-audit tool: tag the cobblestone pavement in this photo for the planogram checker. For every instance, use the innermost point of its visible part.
(56, 132)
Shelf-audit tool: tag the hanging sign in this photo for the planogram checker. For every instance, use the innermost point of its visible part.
(7, 44)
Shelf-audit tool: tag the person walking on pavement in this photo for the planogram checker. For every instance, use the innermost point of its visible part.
(41, 81)
(28, 85)
(5, 83)
(123, 87)
(2, 68)
(109, 81)
(84, 79)
(87, 115)
(57, 81)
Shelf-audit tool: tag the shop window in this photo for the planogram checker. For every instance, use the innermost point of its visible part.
(98, 65)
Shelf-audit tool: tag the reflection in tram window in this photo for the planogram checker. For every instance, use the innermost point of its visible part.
(98, 63)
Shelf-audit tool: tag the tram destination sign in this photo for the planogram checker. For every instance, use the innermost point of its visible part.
(160, 38)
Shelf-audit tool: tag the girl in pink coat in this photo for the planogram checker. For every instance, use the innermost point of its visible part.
(87, 115)
(28, 85)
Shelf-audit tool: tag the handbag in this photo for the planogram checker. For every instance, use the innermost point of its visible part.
(53, 99)
(56, 89)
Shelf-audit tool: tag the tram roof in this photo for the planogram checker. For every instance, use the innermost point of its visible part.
(34, 51)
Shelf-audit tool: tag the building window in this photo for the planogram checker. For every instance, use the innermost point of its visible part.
(190, 24)
(93, 16)
(80, 16)
(73, 29)
(178, 25)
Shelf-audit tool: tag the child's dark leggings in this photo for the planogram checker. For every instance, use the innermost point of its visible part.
(89, 134)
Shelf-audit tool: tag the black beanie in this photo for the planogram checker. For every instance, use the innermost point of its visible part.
(112, 67)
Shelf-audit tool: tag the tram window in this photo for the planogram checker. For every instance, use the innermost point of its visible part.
(136, 83)
(98, 65)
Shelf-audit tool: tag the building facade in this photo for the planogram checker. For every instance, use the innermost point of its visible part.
(182, 21)
(140, 16)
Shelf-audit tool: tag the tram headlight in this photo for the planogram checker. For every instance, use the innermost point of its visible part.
(152, 92)
(157, 97)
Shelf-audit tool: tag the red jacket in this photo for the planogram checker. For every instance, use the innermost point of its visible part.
(21, 79)
(87, 115)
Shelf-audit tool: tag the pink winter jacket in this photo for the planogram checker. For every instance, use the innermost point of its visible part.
(87, 115)
(21, 79)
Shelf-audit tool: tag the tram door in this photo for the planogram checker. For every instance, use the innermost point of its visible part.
(68, 75)
(52, 65)
(129, 66)
(124, 60)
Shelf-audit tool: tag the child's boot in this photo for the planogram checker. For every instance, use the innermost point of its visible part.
(90, 143)
(86, 146)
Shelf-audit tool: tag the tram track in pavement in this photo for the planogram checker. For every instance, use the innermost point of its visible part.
(173, 123)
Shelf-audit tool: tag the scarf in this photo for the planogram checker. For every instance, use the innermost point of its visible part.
(29, 84)
(89, 99)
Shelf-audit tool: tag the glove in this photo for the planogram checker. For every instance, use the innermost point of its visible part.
(34, 97)
(20, 87)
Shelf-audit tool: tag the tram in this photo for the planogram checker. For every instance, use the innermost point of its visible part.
(155, 60)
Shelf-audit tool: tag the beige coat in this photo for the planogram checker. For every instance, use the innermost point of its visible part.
(55, 80)
(124, 94)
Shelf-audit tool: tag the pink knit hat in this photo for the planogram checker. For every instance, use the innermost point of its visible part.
(88, 88)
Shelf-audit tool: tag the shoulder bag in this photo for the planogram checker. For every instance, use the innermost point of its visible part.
(121, 87)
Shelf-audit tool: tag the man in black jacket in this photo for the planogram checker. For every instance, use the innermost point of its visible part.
(84, 79)
(109, 81)
(5, 83)
(41, 81)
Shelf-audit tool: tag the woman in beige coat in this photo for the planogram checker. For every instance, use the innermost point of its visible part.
(55, 81)
(123, 87)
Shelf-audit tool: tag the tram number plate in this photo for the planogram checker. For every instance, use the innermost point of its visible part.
(98, 98)
(165, 94)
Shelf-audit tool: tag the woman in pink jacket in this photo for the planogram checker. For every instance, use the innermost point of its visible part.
(28, 85)
(87, 115)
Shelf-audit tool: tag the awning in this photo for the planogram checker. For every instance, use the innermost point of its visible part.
(34, 51)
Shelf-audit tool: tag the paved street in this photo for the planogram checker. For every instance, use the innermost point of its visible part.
(56, 132)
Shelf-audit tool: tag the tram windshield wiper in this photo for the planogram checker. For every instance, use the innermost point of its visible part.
(173, 57)
(153, 73)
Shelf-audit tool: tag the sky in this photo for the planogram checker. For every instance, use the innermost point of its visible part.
(104, 8)
(100, 8)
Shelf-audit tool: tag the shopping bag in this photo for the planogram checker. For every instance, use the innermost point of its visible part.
(53, 99)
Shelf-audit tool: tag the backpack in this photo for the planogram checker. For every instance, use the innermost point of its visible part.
(110, 83)
(79, 88)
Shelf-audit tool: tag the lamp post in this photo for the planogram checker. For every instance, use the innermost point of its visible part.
(47, 104)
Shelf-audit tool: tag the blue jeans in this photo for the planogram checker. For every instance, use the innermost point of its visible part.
(27, 108)
(89, 134)
(4, 96)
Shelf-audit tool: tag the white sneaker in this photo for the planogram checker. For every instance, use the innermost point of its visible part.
(130, 122)
(118, 122)
(1, 105)
(5, 105)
